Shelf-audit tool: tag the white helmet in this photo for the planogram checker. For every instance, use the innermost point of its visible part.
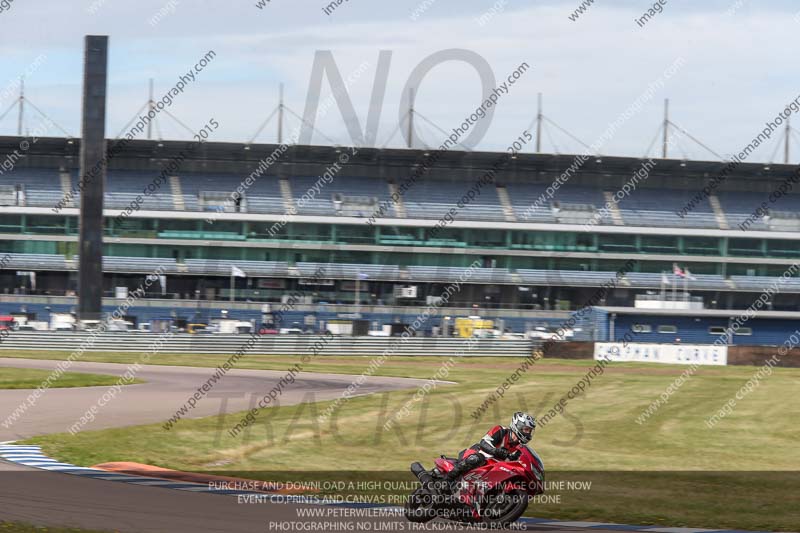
(523, 426)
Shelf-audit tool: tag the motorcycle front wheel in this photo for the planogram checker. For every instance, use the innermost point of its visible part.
(420, 506)
(503, 508)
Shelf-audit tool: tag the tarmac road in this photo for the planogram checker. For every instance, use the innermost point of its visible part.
(166, 389)
(54, 499)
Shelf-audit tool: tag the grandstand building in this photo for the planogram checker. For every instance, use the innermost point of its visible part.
(384, 242)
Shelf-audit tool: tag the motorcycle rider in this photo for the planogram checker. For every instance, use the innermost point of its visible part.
(500, 443)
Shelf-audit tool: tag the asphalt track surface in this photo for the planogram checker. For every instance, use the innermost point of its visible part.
(54, 499)
(165, 390)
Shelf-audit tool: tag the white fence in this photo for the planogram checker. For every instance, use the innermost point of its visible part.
(267, 344)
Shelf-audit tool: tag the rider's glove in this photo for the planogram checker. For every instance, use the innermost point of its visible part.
(501, 454)
(514, 456)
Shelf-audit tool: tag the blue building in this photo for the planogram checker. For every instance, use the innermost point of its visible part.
(693, 326)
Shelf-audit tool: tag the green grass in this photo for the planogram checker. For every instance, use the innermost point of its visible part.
(670, 471)
(29, 378)
(338, 365)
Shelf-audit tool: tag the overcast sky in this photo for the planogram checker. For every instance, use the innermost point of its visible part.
(739, 65)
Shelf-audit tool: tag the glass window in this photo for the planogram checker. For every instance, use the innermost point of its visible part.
(745, 247)
(783, 248)
(701, 245)
(487, 238)
(10, 223)
(350, 233)
(616, 243)
(659, 244)
(45, 224)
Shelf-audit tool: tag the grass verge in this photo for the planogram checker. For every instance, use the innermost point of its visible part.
(29, 378)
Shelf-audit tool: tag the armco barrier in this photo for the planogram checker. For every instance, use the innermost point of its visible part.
(265, 345)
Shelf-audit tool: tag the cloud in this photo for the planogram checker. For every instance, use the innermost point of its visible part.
(589, 71)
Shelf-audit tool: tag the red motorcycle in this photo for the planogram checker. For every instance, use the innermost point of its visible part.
(494, 494)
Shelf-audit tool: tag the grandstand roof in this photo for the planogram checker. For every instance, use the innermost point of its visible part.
(215, 156)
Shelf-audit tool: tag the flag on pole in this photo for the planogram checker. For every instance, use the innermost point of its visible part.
(689, 275)
(676, 270)
(237, 272)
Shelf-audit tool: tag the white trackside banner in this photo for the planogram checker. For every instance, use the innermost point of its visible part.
(676, 354)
